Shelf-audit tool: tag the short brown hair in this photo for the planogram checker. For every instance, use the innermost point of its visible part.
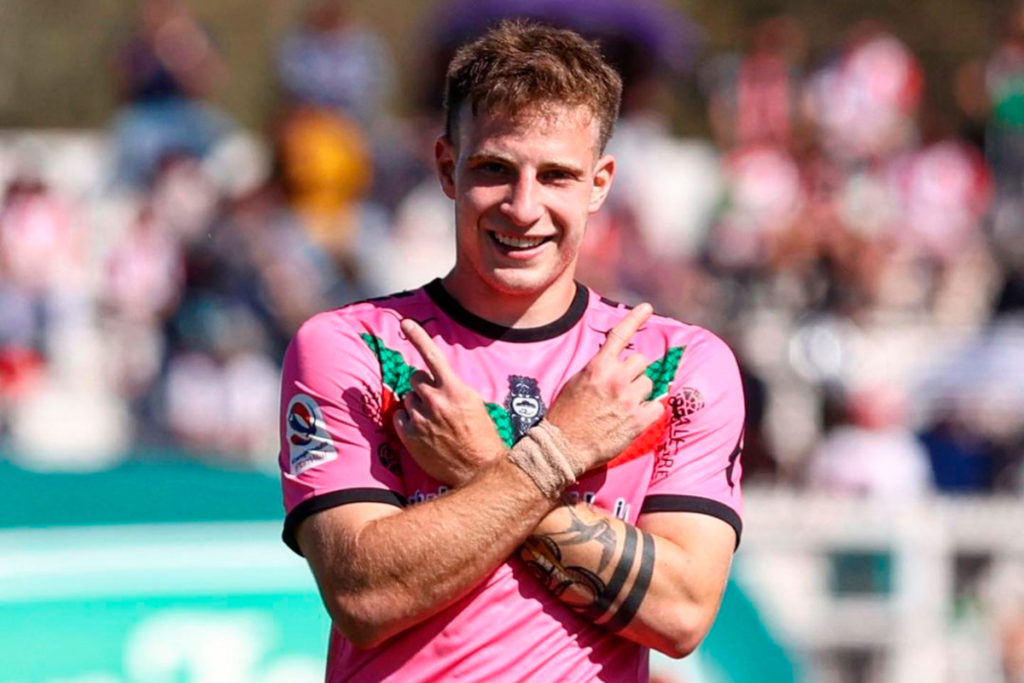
(520, 64)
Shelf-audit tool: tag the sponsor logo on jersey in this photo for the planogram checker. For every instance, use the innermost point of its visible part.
(419, 496)
(309, 443)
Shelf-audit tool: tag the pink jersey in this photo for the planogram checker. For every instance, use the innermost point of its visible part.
(346, 370)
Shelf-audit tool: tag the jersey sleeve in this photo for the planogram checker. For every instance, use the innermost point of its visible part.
(334, 449)
(697, 464)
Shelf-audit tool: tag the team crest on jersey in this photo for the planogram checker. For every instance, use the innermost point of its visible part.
(309, 443)
(523, 404)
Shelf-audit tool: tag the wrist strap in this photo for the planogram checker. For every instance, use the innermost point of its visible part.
(547, 458)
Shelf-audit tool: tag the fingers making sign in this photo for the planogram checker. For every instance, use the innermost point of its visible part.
(444, 423)
(604, 407)
(445, 426)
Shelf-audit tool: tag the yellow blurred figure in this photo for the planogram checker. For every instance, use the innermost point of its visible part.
(327, 169)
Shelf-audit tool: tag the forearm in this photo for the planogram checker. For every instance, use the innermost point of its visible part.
(633, 583)
(397, 570)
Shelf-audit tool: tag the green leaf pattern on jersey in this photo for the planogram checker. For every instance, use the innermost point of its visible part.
(395, 373)
(663, 371)
(503, 422)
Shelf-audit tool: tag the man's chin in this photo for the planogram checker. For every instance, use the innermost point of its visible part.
(520, 282)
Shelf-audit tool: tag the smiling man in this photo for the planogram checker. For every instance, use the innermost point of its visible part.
(503, 476)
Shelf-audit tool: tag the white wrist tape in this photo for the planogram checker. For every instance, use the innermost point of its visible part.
(547, 458)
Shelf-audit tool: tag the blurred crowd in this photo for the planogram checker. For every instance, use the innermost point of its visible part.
(852, 227)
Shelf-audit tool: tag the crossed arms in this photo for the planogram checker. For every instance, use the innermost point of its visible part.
(381, 570)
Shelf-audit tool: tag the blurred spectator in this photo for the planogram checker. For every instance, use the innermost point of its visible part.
(332, 62)
(764, 197)
(867, 448)
(287, 277)
(42, 262)
(667, 192)
(1004, 149)
(40, 243)
(961, 460)
(143, 285)
(754, 97)
(944, 192)
(865, 101)
(164, 71)
(144, 272)
(325, 168)
(183, 197)
(974, 400)
(336, 138)
(1004, 79)
(225, 404)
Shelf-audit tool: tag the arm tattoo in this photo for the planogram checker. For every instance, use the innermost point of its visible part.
(589, 594)
(629, 607)
(544, 557)
(579, 532)
(619, 576)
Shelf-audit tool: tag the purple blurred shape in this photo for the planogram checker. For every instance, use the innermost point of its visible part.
(661, 32)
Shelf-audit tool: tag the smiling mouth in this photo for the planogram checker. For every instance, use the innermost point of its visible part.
(510, 243)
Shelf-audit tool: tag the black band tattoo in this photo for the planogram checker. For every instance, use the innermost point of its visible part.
(607, 597)
(631, 605)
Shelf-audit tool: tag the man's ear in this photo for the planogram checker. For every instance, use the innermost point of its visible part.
(604, 173)
(444, 158)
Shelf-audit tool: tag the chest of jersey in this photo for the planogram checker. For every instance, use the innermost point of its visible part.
(518, 383)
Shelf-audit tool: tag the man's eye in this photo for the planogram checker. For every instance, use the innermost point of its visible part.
(556, 176)
(492, 167)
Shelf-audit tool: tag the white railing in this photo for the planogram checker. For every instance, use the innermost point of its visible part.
(925, 619)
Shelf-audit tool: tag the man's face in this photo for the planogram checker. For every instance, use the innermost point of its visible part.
(523, 188)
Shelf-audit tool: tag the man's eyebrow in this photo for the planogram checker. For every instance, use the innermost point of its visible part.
(490, 156)
(562, 165)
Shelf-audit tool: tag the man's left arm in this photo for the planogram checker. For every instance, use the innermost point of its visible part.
(658, 583)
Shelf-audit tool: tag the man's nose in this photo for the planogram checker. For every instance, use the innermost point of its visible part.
(522, 206)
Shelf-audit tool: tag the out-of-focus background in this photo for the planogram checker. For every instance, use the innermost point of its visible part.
(837, 188)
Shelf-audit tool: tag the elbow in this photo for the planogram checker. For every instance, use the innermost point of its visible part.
(680, 648)
(360, 622)
(684, 636)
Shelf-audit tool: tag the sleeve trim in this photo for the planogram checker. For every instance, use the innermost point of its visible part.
(326, 501)
(704, 506)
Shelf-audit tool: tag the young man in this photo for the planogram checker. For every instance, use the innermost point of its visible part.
(503, 476)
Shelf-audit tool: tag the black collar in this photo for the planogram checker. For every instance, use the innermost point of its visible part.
(440, 296)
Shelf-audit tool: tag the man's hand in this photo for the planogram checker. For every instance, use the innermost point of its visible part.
(604, 407)
(443, 423)
(601, 410)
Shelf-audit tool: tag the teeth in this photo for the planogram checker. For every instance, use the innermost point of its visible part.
(518, 242)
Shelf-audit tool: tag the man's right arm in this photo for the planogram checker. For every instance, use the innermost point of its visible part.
(381, 569)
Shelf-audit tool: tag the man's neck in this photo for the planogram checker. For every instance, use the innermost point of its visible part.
(509, 310)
